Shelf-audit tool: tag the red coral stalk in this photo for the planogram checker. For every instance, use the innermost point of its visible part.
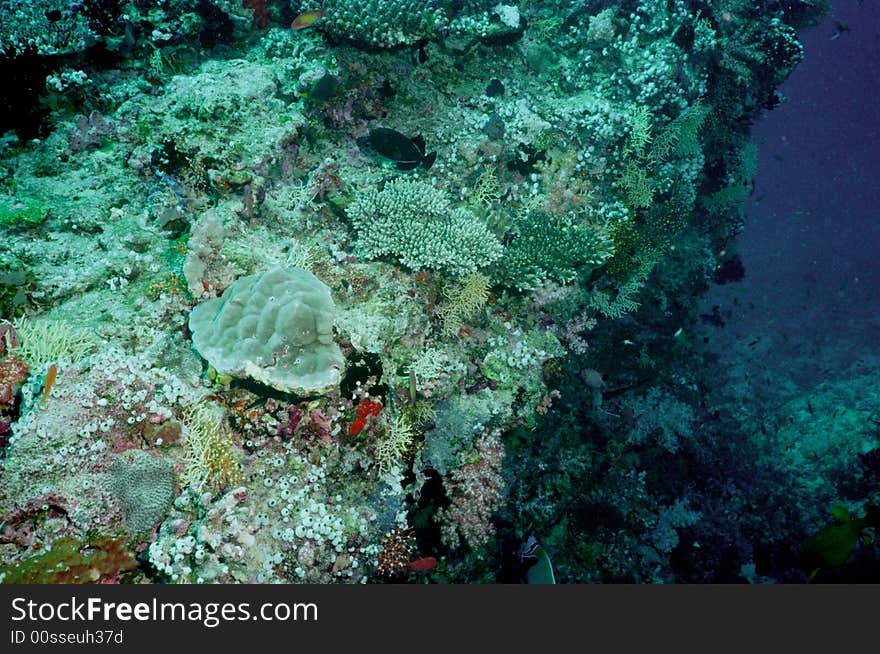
(366, 408)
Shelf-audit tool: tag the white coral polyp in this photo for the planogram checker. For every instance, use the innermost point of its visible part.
(274, 327)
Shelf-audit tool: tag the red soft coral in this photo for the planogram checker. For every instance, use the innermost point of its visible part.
(261, 12)
(366, 408)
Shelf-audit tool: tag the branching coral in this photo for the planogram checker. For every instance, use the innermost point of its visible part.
(386, 23)
(45, 27)
(415, 223)
(551, 247)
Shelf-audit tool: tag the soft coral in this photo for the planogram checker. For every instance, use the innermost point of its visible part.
(261, 12)
(13, 371)
(8, 337)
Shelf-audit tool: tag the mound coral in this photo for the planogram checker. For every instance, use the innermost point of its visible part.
(274, 327)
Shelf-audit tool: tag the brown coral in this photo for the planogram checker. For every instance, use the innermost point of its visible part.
(13, 371)
(72, 562)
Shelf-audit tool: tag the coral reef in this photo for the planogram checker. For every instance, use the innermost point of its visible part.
(244, 350)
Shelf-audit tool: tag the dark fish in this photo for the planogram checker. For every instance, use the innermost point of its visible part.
(495, 88)
(322, 89)
(390, 145)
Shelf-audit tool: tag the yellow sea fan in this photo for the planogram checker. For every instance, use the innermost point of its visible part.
(394, 442)
(211, 460)
(486, 191)
(463, 300)
(42, 341)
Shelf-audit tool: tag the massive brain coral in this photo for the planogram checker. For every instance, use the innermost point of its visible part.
(274, 327)
(145, 486)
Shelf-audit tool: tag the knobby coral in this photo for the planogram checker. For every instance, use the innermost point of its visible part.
(274, 327)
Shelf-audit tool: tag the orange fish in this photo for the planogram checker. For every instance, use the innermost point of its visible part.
(50, 379)
(307, 19)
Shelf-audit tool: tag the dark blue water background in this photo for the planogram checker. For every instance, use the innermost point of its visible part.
(811, 243)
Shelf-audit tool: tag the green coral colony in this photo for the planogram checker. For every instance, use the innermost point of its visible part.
(239, 348)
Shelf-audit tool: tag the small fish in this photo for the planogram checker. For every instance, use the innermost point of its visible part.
(629, 417)
(307, 19)
(423, 564)
(50, 379)
(393, 147)
(839, 30)
(323, 89)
